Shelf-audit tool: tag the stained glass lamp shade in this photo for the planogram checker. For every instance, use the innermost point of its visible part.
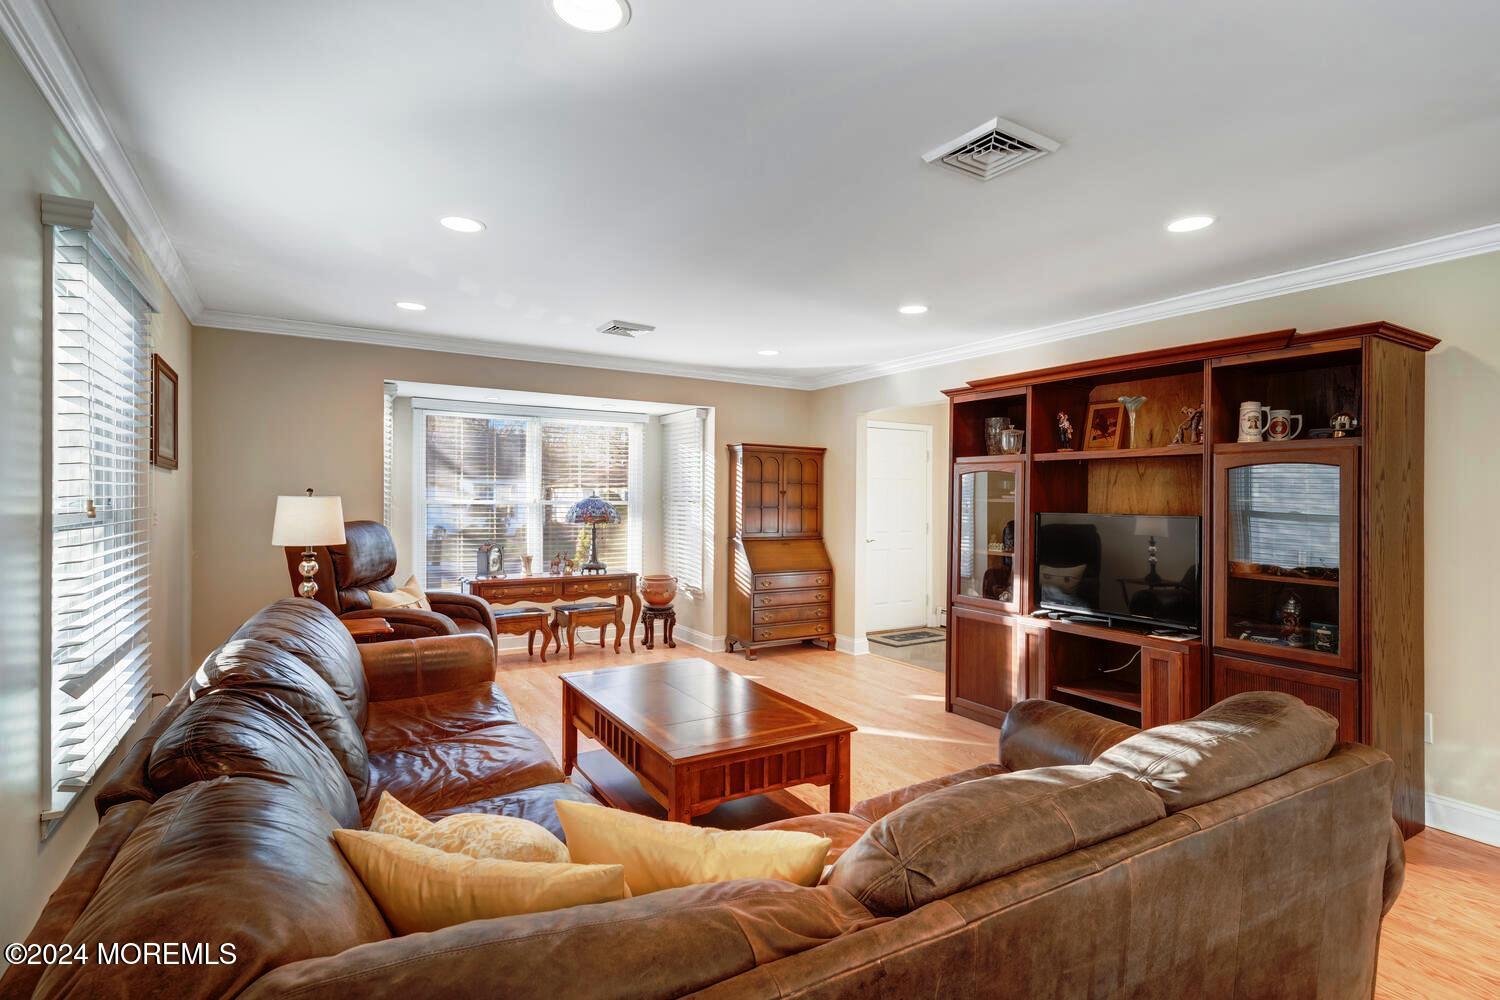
(593, 512)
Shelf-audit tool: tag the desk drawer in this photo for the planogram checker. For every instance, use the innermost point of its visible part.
(800, 613)
(787, 598)
(488, 591)
(580, 588)
(792, 581)
(799, 630)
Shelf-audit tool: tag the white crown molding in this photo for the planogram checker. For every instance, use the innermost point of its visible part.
(39, 43)
(1463, 819)
(1469, 243)
(482, 348)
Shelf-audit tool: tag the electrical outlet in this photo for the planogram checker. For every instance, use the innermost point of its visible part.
(1426, 727)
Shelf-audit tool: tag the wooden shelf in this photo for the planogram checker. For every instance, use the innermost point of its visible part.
(1106, 691)
(1167, 451)
(1273, 578)
(1272, 447)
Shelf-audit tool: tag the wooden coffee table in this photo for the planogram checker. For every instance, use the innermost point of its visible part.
(695, 736)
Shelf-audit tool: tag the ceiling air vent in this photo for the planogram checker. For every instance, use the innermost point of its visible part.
(620, 328)
(991, 149)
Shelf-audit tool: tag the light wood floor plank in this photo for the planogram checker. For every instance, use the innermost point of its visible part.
(1442, 939)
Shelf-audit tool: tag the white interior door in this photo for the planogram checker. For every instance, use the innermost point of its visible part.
(898, 563)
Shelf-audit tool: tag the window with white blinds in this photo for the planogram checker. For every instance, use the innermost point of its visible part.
(510, 479)
(1285, 514)
(682, 497)
(98, 654)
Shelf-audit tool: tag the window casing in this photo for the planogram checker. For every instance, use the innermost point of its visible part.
(510, 477)
(97, 655)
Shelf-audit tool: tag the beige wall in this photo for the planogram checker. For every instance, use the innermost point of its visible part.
(1458, 301)
(38, 158)
(277, 414)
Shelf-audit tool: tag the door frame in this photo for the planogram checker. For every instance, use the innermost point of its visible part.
(928, 614)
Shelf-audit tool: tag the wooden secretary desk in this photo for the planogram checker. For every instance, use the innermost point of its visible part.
(780, 579)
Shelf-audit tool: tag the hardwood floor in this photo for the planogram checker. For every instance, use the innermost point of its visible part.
(1441, 940)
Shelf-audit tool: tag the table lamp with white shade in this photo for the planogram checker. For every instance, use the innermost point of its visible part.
(308, 521)
(1150, 527)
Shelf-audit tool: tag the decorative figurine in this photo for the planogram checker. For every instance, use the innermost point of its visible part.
(1344, 424)
(1008, 538)
(554, 568)
(1289, 617)
(568, 566)
(1064, 432)
(1190, 431)
(1132, 404)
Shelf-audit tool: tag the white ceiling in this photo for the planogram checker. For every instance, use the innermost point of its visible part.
(749, 175)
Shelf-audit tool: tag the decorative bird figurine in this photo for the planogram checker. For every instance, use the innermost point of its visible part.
(1132, 404)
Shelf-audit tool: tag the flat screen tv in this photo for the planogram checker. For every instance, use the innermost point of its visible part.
(1134, 568)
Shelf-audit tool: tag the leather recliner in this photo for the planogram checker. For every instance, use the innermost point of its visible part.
(367, 561)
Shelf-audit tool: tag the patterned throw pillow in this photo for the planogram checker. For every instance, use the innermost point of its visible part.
(476, 835)
(408, 595)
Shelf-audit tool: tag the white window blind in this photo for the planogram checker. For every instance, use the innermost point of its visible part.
(1285, 514)
(387, 447)
(98, 653)
(511, 480)
(682, 496)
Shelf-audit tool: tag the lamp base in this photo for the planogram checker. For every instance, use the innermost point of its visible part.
(308, 567)
(593, 565)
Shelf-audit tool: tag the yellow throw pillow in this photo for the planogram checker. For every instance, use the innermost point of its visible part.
(408, 595)
(501, 838)
(396, 819)
(479, 835)
(659, 855)
(424, 889)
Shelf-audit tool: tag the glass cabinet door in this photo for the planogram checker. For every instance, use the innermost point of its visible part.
(1285, 567)
(987, 508)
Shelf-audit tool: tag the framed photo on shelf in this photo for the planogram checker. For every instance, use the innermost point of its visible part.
(1104, 426)
(163, 414)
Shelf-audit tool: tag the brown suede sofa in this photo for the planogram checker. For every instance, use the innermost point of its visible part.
(1241, 853)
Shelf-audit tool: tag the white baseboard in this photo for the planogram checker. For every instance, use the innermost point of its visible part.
(1463, 819)
(691, 636)
(849, 644)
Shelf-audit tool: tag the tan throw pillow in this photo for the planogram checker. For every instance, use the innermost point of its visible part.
(397, 820)
(659, 855)
(424, 889)
(479, 835)
(408, 595)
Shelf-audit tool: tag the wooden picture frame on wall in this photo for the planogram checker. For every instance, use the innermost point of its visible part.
(163, 414)
(1104, 426)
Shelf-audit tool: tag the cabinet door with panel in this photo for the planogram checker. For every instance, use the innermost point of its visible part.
(1338, 696)
(1286, 552)
(986, 675)
(987, 558)
(801, 492)
(760, 494)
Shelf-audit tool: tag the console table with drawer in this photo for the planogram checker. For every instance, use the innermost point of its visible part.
(780, 577)
(549, 589)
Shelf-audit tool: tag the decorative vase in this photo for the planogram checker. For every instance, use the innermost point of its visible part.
(1012, 440)
(994, 434)
(658, 591)
(526, 564)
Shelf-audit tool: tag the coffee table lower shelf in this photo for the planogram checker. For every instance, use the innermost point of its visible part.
(602, 776)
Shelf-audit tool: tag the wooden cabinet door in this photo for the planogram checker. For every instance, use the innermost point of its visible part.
(985, 673)
(1171, 685)
(760, 494)
(802, 495)
(1338, 696)
(1033, 655)
(1286, 551)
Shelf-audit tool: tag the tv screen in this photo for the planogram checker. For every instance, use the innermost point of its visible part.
(1140, 568)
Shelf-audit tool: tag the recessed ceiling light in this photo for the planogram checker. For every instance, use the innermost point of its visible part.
(768, 354)
(415, 307)
(1190, 223)
(913, 309)
(459, 224)
(593, 15)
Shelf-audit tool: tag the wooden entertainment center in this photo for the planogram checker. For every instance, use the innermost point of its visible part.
(1311, 573)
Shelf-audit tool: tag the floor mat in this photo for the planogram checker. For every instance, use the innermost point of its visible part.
(907, 637)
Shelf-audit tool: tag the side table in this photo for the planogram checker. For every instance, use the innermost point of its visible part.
(667, 615)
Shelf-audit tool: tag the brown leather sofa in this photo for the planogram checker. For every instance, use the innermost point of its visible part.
(1241, 854)
(367, 561)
